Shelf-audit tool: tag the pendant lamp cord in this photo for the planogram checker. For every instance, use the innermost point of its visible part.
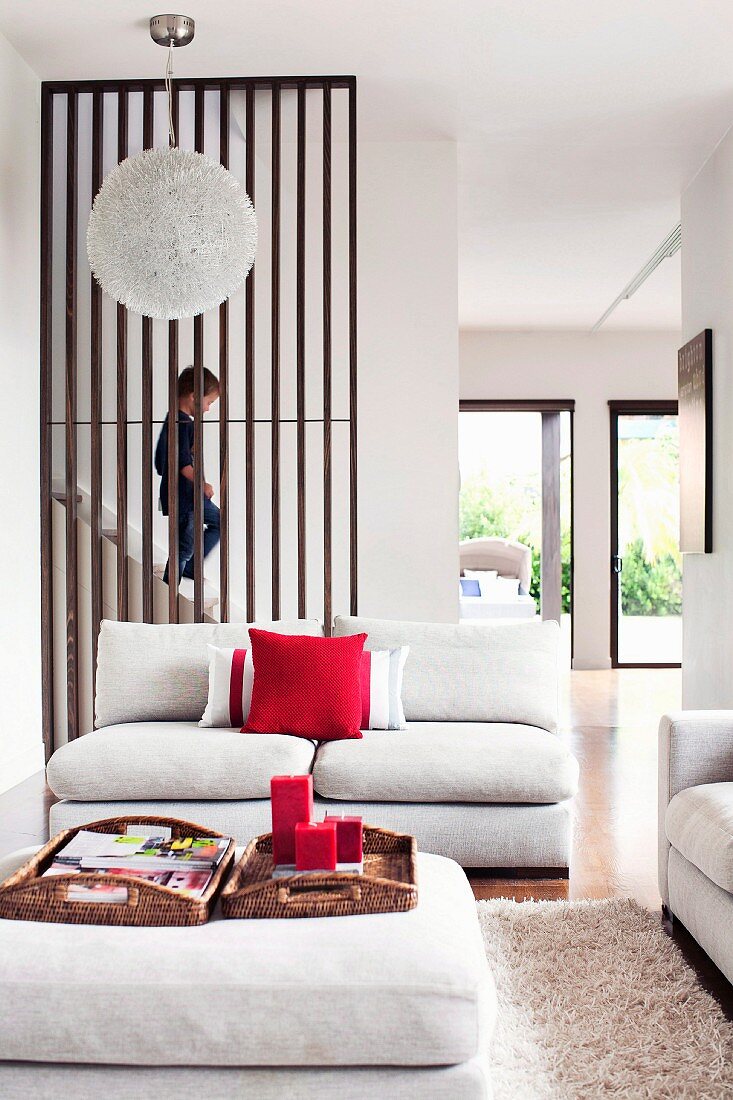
(169, 93)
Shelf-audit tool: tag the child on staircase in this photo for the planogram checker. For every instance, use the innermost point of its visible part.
(186, 407)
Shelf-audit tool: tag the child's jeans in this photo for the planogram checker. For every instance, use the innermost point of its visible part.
(212, 533)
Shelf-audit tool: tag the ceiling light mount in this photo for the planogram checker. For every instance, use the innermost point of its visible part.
(665, 251)
(172, 233)
(172, 30)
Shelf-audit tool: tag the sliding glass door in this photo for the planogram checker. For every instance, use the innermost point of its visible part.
(646, 567)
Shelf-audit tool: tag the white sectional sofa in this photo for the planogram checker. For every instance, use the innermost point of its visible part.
(696, 827)
(479, 775)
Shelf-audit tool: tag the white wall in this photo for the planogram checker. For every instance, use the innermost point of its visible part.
(593, 369)
(408, 380)
(707, 302)
(21, 751)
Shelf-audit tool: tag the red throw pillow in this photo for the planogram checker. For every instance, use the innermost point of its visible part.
(310, 687)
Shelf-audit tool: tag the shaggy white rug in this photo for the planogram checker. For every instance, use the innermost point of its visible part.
(596, 1001)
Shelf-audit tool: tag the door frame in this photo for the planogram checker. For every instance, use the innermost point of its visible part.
(616, 409)
(543, 405)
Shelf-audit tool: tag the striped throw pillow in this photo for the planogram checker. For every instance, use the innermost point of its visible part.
(381, 689)
(230, 687)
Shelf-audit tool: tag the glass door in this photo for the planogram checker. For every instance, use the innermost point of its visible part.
(646, 565)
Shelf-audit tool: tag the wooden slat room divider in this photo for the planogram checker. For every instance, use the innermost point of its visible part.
(281, 450)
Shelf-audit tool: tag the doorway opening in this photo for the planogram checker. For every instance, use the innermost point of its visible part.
(515, 508)
(646, 565)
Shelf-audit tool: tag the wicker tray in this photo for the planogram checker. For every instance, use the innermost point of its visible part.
(28, 896)
(387, 885)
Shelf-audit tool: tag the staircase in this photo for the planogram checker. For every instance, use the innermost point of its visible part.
(109, 597)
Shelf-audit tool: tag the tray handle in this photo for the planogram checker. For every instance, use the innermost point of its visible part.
(335, 892)
(61, 891)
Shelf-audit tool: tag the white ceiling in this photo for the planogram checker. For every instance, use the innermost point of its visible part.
(578, 123)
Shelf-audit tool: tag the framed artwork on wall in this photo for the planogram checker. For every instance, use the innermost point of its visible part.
(695, 382)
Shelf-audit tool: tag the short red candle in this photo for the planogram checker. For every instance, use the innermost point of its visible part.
(292, 801)
(315, 846)
(349, 838)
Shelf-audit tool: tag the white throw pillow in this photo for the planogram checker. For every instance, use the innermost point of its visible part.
(505, 589)
(483, 576)
(381, 689)
(231, 674)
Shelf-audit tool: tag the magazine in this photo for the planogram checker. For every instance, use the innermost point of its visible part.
(185, 864)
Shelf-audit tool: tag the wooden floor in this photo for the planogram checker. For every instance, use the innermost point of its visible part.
(609, 721)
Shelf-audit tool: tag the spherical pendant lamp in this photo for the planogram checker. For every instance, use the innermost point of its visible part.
(172, 233)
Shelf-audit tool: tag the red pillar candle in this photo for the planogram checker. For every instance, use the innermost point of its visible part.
(292, 801)
(315, 846)
(349, 838)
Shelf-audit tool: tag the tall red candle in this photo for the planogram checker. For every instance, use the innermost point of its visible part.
(349, 838)
(292, 801)
(315, 846)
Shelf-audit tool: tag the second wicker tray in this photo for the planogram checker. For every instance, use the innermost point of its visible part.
(388, 883)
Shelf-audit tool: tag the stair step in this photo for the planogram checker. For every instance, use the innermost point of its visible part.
(111, 534)
(60, 496)
(211, 596)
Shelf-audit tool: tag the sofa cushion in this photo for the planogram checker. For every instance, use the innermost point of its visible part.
(160, 673)
(390, 989)
(699, 824)
(448, 762)
(471, 673)
(174, 760)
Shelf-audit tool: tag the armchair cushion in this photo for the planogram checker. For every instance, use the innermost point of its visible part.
(699, 824)
(695, 747)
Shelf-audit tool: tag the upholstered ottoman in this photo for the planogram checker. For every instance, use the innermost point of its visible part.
(393, 1005)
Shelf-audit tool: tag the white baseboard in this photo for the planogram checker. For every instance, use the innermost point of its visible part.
(21, 766)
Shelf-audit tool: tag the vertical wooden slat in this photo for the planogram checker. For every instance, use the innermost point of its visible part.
(275, 350)
(72, 617)
(172, 485)
(97, 382)
(45, 426)
(300, 350)
(122, 588)
(551, 561)
(327, 366)
(198, 427)
(224, 392)
(147, 414)
(353, 470)
(249, 367)
(173, 577)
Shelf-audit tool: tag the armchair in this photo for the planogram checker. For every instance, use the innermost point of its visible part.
(696, 827)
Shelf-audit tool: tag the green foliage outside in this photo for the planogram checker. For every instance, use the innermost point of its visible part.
(648, 473)
(651, 580)
(650, 588)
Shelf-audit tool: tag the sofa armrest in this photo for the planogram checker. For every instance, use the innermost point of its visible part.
(695, 746)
